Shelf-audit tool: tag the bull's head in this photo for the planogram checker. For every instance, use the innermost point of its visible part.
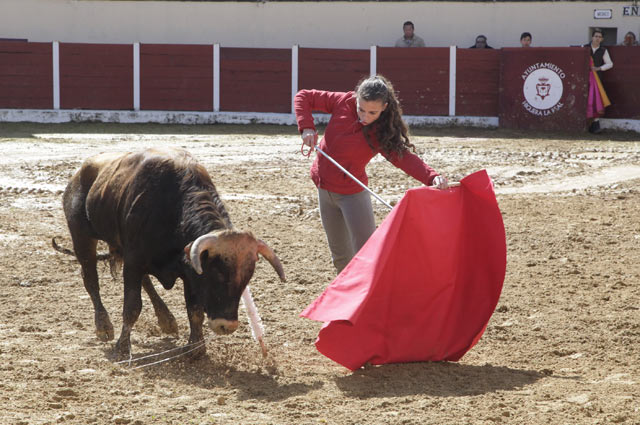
(225, 272)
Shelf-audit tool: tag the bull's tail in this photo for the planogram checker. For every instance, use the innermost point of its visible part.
(61, 249)
(115, 260)
(67, 251)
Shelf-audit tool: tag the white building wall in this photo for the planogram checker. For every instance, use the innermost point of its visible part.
(356, 25)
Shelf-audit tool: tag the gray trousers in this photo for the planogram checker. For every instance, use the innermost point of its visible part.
(348, 222)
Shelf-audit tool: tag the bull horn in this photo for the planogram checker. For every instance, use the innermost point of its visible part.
(272, 258)
(206, 242)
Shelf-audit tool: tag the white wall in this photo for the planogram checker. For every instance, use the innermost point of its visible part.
(356, 25)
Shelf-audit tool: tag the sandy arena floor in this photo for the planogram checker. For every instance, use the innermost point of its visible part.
(563, 346)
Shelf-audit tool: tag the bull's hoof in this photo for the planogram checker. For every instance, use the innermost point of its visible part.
(122, 350)
(195, 351)
(104, 328)
(168, 324)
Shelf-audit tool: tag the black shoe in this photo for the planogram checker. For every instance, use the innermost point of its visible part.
(596, 127)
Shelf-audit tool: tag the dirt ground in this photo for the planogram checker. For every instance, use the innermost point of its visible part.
(563, 346)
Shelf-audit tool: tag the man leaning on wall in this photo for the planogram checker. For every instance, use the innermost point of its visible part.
(409, 39)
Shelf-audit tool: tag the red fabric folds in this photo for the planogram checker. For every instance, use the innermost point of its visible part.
(425, 284)
(597, 98)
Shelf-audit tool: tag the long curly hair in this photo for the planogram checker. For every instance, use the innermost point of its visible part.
(390, 130)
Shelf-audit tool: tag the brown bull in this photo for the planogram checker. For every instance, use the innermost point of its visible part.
(160, 213)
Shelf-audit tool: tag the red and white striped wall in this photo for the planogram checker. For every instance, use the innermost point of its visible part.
(203, 83)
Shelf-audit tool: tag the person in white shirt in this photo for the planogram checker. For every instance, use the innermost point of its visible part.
(601, 61)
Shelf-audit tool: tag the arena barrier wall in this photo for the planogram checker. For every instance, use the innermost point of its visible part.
(26, 75)
(331, 69)
(96, 76)
(544, 89)
(175, 77)
(477, 82)
(435, 85)
(255, 80)
(420, 76)
(622, 82)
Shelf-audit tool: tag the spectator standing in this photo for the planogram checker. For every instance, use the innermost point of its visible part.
(481, 43)
(629, 39)
(597, 99)
(409, 39)
(525, 39)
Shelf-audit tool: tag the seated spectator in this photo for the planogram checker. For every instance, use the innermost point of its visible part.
(481, 43)
(525, 39)
(629, 39)
(409, 39)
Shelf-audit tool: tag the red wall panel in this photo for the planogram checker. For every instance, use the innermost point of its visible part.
(26, 75)
(176, 77)
(255, 80)
(331, 69)
(477, 82)
(622, 83)
(96, 76)
(419, 75)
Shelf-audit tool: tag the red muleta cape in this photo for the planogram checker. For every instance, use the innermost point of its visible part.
(425, 284)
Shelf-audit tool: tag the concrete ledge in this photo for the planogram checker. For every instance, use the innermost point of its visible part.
(138, 117)
(620, 124)
(462, 121)
(186, 117)
(195, 118)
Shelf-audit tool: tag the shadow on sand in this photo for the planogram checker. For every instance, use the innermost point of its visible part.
(252, 377)
(256, 379)
(442, 379)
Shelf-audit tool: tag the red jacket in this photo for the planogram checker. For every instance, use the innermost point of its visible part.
(344, 141)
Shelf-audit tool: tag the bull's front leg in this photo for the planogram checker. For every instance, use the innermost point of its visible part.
(85, 250)
(131, 308)
(166, 320)
(84, 246)
(196, 347)
(104, 328)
